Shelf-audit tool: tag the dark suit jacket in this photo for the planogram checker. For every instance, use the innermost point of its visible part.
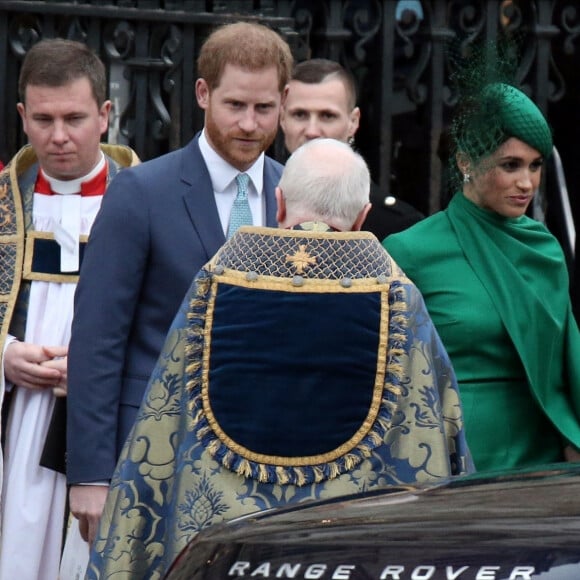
(389, 214)
(157, 226)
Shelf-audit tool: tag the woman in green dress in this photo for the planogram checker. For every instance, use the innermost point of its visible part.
(496, 286)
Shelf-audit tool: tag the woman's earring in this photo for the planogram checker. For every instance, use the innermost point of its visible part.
(350, 141)
(466, 178)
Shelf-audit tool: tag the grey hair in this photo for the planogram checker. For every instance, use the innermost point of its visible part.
(324, 179)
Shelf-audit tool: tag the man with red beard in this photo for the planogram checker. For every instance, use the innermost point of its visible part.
(158, 225)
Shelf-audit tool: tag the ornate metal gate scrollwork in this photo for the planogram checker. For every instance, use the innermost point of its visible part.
(395, 49)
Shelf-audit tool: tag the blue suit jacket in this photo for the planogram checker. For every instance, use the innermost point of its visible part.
(158, 225)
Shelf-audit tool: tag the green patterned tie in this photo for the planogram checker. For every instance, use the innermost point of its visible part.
(241, 214)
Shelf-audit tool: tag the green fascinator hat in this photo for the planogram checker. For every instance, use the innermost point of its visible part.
(501, 111)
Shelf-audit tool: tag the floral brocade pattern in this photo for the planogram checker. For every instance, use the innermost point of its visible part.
(169, 484)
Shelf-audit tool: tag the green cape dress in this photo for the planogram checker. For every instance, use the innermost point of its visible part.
(497, 291)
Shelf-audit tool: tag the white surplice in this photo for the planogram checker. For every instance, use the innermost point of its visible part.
(34, 497)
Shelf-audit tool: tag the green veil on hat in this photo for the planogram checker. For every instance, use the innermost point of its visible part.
(502, 111)
(490, 106)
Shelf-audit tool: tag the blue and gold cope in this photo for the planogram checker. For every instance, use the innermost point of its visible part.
(302, 365)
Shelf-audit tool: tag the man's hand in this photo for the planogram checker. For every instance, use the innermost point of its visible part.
(86, 504)
(57, 361)
(25, 365)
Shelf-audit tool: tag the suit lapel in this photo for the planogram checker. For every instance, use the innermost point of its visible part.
(199, 199)
(272, 173)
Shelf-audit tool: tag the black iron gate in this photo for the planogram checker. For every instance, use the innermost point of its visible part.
(395, 48)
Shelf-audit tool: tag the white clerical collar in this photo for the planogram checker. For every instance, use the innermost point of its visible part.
(222, 174)
(73, 186)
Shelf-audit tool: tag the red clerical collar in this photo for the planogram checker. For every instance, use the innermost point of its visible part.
(94, 186)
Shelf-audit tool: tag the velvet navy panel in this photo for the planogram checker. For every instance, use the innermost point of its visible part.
(329, 402)
(46, 256)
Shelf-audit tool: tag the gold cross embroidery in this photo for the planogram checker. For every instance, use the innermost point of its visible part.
(301, 259)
